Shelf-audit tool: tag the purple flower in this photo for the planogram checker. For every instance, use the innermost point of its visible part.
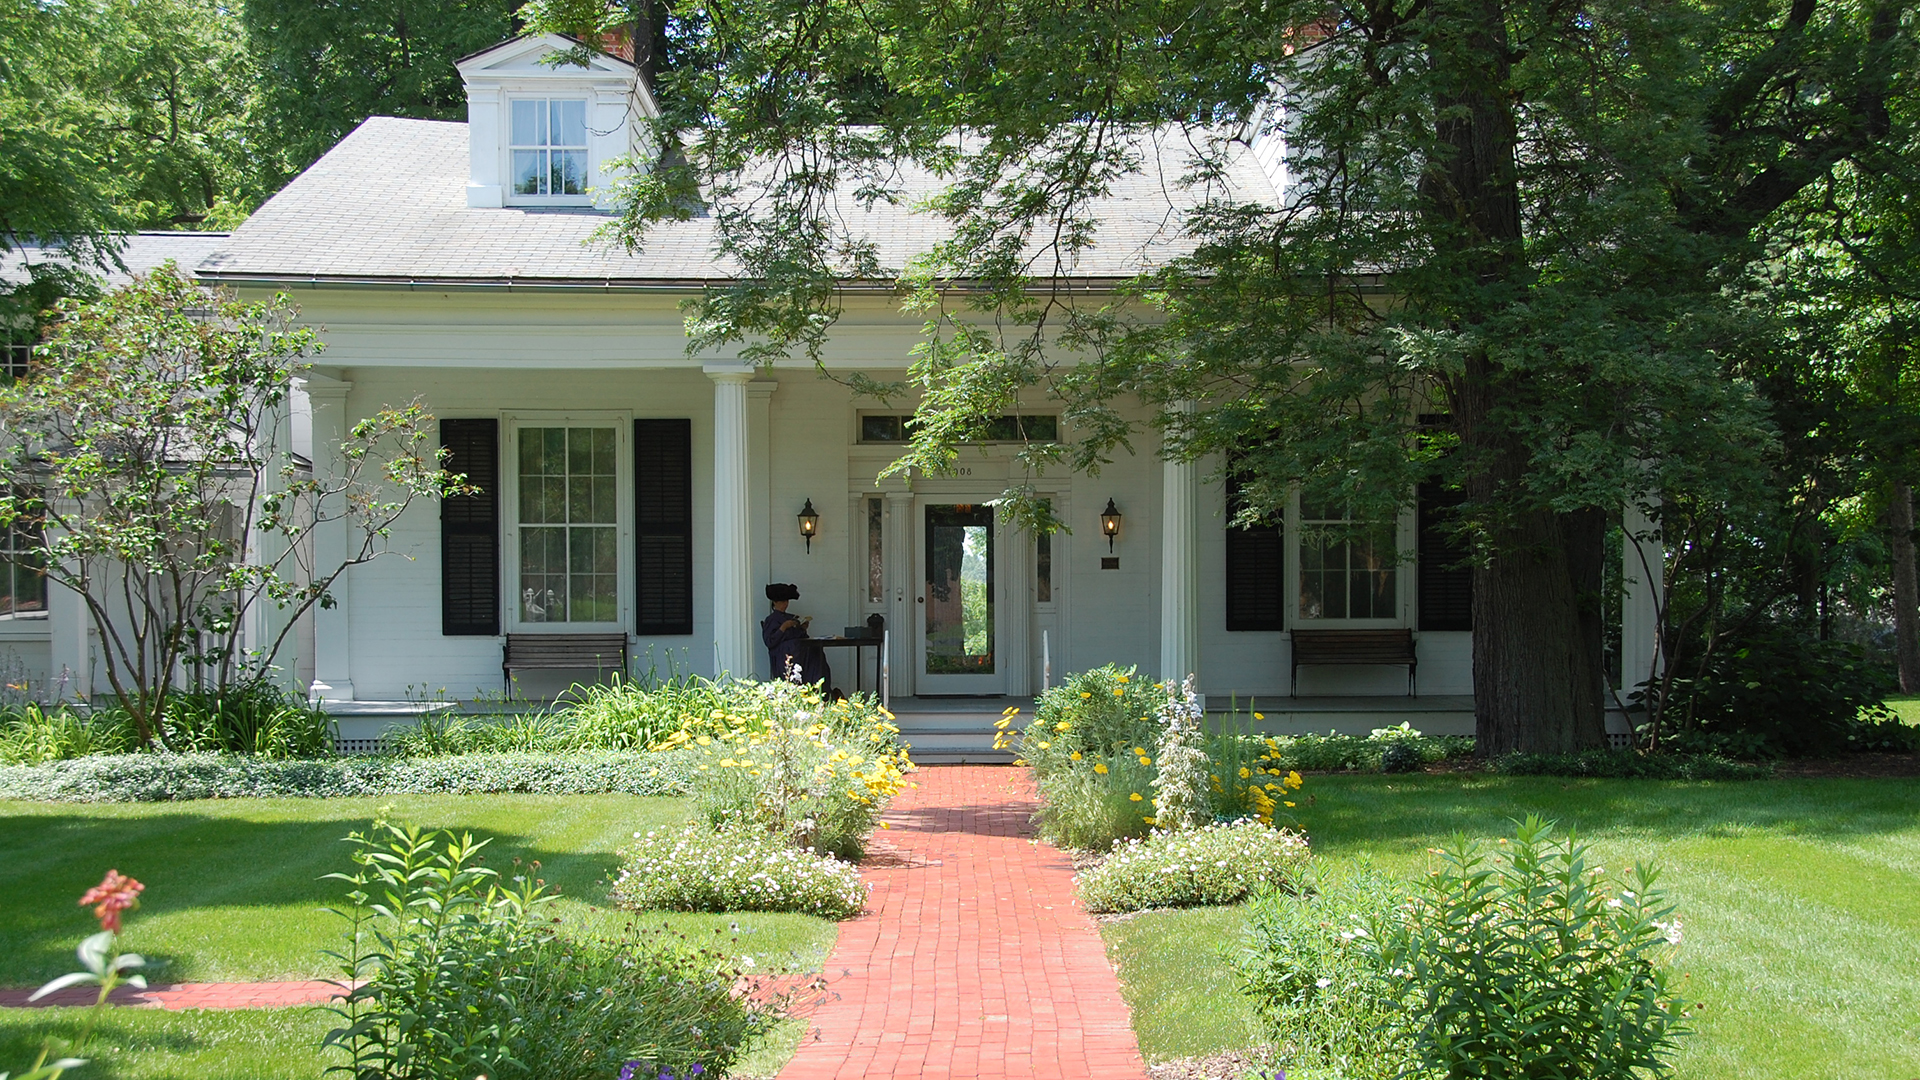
(697, 1069)
(629, 1070)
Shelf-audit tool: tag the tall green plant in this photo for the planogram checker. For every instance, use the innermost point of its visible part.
(1529, 961)
(437, 957)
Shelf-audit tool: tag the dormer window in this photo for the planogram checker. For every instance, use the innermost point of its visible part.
(549, 145)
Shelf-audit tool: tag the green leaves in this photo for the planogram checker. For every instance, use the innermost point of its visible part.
(1528, 961)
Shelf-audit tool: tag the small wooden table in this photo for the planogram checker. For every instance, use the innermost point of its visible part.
(856, 644)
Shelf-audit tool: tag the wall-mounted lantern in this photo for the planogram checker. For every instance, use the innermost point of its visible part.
(809, 524)
(1110, 523)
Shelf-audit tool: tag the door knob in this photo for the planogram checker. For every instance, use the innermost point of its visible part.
(919, 599)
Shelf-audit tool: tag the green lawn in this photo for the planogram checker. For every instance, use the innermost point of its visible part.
(1906, 706)
(1800, 899)
(234, 889)
(234, 892)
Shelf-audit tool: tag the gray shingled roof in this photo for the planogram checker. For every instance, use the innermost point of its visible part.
(142, 252)
(388, 204)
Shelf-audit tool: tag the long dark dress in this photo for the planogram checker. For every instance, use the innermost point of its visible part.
(786, 648)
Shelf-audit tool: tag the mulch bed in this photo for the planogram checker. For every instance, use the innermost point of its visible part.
(1854, 766)
(1231, 1065)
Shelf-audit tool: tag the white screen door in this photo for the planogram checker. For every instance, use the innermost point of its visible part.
(958, 603)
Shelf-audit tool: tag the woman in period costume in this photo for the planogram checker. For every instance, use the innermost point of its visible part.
(786, 637)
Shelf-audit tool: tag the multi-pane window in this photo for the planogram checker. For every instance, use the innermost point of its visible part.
(23, 579)
(569, 525)
(17, 356)
(880, 428)
(549, 142)
(1348, 569)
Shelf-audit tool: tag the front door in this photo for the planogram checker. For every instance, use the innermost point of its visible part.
(957, 599)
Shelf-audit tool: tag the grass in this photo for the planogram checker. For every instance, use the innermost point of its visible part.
(235, 892)
(1906, 707)
(1801, 903)
(235, 889)
(147, 1044)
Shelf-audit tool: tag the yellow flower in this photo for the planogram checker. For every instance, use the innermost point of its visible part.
(1293, 780)
(1149, 820)
(1062, 726)
(704, 741)
(1259, 716)
(1117, 692)
(1140, 750)
(1135, 797)
(1100, 768)
(1290, 804)
(1046, 746)
(1244, 773)
(1075, 756)
(1086, 693)
(1002, 723)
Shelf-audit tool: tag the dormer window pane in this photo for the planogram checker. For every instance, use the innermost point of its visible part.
(549, 138)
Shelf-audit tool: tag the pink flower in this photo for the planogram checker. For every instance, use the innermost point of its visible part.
(115, 894)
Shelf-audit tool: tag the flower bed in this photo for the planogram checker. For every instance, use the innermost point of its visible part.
(1216, 864)
(697, 869)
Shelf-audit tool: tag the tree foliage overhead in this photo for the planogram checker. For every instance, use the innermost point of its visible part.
(1522, 216)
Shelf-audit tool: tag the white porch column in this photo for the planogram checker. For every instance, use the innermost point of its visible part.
(1179, 580)
(1642, 559)
(734, 640)
(760, 502)
(332, 647)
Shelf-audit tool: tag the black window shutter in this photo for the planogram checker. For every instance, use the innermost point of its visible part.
(1256, 571)
(1446, 582)
(470, 530)
(663, 525)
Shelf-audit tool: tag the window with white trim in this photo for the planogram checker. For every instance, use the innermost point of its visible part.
(548, 142)
(569, 555)
(23, 576)
(1348, 569)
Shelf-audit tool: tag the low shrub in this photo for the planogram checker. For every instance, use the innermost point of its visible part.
(162, 777)
(698, 869)
(1334, 752)
(1103, 711)
(1096, 800)
(1529, 961)
(793, 766)
(1802, 697)
(1329, 1007)
(256, 718)
(1630, 765)
(451, 972)
(31, 734)
(598, 1006)
(1215, 864)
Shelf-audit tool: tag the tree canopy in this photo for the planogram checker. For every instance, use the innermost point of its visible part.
(1524, 221)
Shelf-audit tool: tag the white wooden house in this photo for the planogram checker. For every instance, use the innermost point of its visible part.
(631, 488)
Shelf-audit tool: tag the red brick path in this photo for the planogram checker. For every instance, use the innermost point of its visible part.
(974, 959)
(259, 995)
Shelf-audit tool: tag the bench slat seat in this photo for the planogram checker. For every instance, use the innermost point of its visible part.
(547, 652)
(1391, 647)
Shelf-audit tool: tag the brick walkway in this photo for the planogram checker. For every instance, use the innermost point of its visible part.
(259, 995)
(974, 959)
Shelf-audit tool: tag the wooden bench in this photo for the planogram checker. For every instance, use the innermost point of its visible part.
(524, 652)
(1343, 647)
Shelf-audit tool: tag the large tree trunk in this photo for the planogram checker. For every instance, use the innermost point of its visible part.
(1906, 589)
(1537, 637)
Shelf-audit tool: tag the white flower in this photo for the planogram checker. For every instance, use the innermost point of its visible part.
(1323, 983)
